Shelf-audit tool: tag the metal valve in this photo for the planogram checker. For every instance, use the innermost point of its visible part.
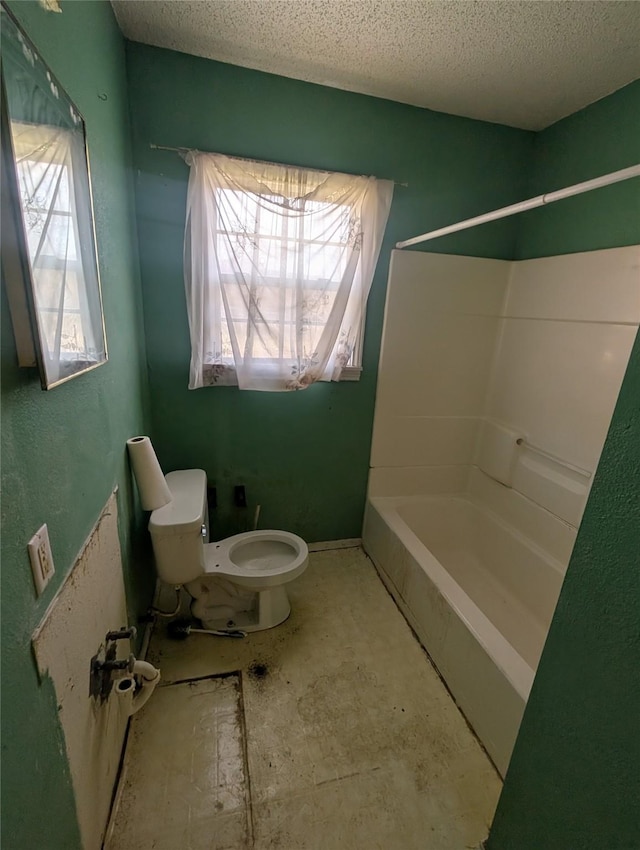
(105, 663)
(130, 632)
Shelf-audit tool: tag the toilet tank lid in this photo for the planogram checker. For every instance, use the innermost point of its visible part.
(185, 511)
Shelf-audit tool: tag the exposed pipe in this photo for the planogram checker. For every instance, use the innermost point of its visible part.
(522, 206)
(158, 612)
(148, 676)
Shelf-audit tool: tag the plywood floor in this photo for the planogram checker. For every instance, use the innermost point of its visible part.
(336, 734)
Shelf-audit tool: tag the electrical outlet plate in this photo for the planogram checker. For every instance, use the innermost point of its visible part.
(41, 558)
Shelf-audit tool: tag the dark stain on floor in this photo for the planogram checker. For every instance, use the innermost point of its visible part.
(258, 670)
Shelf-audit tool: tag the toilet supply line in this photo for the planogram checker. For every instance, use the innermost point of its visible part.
(158, 612)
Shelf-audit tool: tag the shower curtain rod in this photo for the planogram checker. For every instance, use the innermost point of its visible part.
(266, 162)
(521, 206)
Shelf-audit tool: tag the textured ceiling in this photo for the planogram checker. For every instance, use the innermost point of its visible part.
(526, 64)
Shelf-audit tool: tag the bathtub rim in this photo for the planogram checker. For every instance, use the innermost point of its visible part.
(511, 664)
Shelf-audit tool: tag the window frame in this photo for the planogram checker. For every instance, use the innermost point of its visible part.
(353, 370)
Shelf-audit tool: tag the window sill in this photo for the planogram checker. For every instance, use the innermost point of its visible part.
(220, 375)
(351, 373)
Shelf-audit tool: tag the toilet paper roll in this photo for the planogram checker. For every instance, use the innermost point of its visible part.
(154, 491)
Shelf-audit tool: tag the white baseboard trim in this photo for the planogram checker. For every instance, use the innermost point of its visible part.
(347, 543)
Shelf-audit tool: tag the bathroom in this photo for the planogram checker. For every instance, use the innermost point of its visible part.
(305, 457)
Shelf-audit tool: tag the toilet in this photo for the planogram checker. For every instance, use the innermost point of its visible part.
(236, 583)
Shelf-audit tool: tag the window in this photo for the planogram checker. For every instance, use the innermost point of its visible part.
(68, 320)
(278, 267)
(53, 244)
(49, 256)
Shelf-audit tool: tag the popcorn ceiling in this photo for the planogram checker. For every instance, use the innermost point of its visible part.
(526, 64)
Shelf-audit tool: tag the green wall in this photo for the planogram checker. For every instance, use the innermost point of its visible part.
(574, 778)
(63, 451)
(303, 456)
(602, 138)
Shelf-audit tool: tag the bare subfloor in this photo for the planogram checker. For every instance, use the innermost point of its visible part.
(336, 734)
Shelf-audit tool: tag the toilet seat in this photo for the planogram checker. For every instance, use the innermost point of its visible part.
(257, 559)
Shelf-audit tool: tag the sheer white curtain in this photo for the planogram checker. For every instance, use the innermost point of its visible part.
(278, 266)
(46, 157)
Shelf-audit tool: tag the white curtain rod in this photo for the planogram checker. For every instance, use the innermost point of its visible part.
(247, 159)
(540, 200)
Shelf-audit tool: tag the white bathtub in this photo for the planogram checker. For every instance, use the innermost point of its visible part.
(478, 592)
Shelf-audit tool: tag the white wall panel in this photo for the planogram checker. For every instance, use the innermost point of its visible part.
(558, 383)
(439, 367)
(417, 480)
(423, 441)
(439, 340)
(540, 346)
(595, 286)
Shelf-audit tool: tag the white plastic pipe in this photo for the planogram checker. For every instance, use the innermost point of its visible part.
(149, 678)
(125, 688)
(522, 206)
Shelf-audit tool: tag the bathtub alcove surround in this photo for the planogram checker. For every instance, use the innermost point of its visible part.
(496, 388)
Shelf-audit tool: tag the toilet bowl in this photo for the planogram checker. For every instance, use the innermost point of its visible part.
(235, 583)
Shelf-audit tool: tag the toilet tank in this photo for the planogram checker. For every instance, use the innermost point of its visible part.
(177, 528)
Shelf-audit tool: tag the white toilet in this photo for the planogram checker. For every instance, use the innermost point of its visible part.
(236, 583)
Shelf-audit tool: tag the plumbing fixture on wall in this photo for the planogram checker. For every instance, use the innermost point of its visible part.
(104, 663)
(125, 633)
(105, 667)
(137, 688)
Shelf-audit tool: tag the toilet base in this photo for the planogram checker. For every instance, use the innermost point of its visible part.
(270, 608)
